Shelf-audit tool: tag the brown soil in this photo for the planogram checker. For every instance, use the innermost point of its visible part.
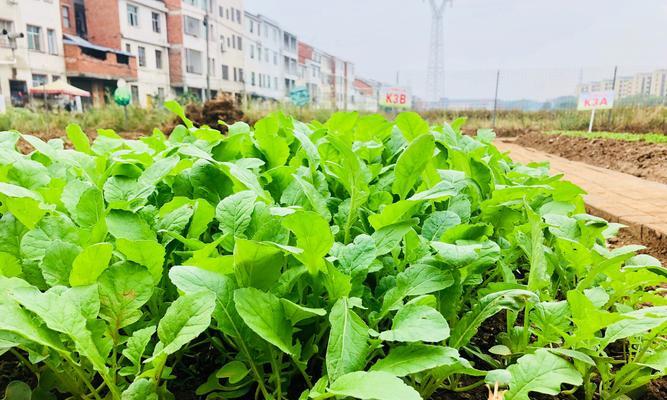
(644, 160)
(222, 108)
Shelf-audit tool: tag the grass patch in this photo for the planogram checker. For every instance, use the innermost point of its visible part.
(623, 136)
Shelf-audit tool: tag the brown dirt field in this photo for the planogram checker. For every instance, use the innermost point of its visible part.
(644, 160)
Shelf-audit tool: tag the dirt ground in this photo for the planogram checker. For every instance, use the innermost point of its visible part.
(644, 160)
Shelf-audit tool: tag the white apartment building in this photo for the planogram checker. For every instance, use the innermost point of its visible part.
(215, 62)
(310, 72)
(343, 74)
(659, 83)
(642, 84)
(231, 45)
(263, 58)
(36, 57)
(143, 28)
(290, 53)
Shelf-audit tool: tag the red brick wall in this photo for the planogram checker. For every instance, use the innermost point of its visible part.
(175, 39)
(305, 52)
(72, 23)
(103, 21)
(83, 65)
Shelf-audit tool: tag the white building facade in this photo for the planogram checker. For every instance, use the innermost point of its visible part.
(143, 28)
(36, 57)
(263, 57)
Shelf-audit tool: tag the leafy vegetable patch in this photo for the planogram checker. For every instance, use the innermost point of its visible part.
(353, 259)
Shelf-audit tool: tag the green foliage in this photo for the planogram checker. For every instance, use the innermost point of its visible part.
(357, 258)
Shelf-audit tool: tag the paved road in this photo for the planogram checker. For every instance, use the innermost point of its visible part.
(619, 197)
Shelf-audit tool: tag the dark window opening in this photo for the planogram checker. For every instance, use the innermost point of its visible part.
(80, 19)
(100, 55)
(122, 59)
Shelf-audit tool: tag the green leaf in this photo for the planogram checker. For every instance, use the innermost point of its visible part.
(127, 225)
(24, 204)
(264, 314)
(234, 212)
(313, 235)
(411, 125)
(414, 323)
(140, 389)
(78, 138)
(416, 280)
(486, 307)
(148, 253)
(348, 347)
(374, 385)
(541, 372)
(297, 313)
(185, 319)
(193, 279)
(416, 357)
(174, 107)
(411, 163)
(57, 263)
(136, 344)
(90, 264)
(123, 290)
(438, 223)
(257, 264)
(61, 314)
(17, 390)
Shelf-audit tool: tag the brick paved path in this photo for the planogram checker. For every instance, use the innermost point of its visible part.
(618, 197)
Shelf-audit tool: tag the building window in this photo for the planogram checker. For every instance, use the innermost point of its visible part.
(193, 61)
(252, 78)
(128, 48)
(64, 10)
(155, 18)
(160, 94)
(252, 51)
(225, 72)
(141, 56)
(39, 79)
(55, 78)
(211, 67)
(275, 83)
(235, 75)
(192, 26)
(238, 16)
(252, 26)
(158, 59)
(275, 58)
(34, 37)
(51, 41)
(132, 15)
(239, 43)
(241, 75)
(135, 93)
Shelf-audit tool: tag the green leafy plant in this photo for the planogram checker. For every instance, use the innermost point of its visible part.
(357, 258)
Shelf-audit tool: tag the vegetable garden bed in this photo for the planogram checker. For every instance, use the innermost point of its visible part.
(359, 258)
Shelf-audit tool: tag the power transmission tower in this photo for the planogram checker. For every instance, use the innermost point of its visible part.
(435, 79)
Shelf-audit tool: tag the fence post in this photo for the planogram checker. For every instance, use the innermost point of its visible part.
(495, 99)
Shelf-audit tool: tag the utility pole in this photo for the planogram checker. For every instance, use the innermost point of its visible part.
(208, 60)
(613, 87)
(495, 98)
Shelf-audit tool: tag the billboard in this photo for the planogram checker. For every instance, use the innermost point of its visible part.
(300, 96)
(394, 97)
(589, 101)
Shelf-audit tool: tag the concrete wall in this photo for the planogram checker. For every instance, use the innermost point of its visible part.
(150, 78)
(22, 63)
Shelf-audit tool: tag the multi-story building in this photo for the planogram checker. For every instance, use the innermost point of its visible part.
(290, 53)
(310, 72)
(31, 51)
(94, 59)
(263, 58)
(206, 46)
(642, 84)
(659, 83)
(143, 32)
(229, 28)
(366, 95)
(343, 81)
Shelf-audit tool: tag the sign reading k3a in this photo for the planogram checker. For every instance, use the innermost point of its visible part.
(395, 97)
(596, 100)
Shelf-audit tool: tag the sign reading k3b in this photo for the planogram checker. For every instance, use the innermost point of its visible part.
(395, 97)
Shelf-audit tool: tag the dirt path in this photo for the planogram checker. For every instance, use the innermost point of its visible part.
(638, 203)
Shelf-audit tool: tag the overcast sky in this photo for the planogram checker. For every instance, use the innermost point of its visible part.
(542, 47)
